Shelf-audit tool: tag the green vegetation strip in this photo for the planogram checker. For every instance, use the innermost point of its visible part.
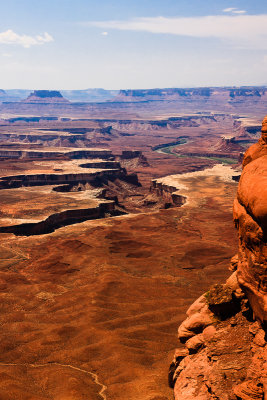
(167, 148)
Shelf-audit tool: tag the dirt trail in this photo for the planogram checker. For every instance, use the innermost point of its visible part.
(93, 375)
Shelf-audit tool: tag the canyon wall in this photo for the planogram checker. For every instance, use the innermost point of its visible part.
(224, 335)
(250, 216)
(64, 218)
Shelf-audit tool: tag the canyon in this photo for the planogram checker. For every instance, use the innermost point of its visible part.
(114, 218)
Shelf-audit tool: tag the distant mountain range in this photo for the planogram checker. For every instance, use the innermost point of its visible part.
(187, 94)
(80, 96)
(97, 101)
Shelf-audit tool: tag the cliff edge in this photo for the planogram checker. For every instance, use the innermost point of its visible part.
(224, 335)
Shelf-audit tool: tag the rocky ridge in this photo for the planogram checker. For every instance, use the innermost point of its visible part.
(225, 354)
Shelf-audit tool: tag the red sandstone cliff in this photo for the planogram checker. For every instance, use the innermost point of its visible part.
(250, 216)
(225, 354)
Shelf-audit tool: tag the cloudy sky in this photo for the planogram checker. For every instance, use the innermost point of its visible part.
(120, 44)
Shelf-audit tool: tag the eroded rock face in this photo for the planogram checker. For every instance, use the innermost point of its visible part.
(250, 216)
(225, 354)
(258, 149)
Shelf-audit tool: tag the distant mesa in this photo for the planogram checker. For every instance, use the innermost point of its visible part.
(162, 94)
(45, 96)
(46, 93)
(225, 94)
(79, 96)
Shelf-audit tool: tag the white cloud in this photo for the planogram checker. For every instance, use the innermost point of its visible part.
(242, 30)
(10, 37)
(239, 12)
(230, 9)
(234, 10)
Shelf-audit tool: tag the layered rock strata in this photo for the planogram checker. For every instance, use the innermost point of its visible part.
(63, 153)
(71, 179)
(168, 192)
(225, 354)
(64, 218)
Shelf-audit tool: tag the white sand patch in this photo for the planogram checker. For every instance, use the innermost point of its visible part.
(223, 172)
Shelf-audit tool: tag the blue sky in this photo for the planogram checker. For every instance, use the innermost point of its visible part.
(120, 44)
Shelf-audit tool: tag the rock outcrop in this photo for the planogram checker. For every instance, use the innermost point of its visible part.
(258, 149)
(45, 96)
(250, 216)
(225, 355)
(167, 192)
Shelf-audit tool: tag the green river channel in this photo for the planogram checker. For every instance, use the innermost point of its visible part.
(167, 148)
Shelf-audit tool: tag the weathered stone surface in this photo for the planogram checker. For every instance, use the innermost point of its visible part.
(196, 306)
(250, 216)
(223, 366)
(195, 343)
(195, 323)
(208, 333)
(252, 190)
(228, 359)
(249, 390)
(233, 263)
(221, 301)
(190, 385)
(258, 149)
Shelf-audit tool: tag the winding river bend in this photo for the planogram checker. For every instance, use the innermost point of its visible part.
(167, 148)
